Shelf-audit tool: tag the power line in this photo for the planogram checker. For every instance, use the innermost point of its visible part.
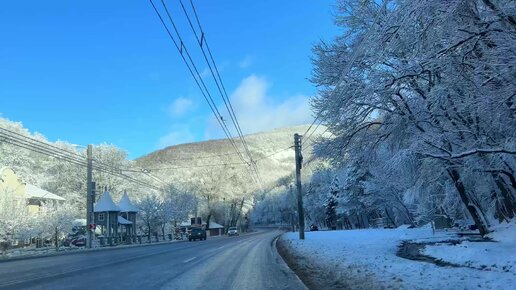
(217, 79)
(277, 152)
(196, 76)
(195, 166)
(49, 150)
(202, 157)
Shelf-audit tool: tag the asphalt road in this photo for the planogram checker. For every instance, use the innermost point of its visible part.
(245, 262)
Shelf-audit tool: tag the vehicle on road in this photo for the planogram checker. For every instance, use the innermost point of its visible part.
(75, 240)
(197, 234)
(232, 231)
(313, 228)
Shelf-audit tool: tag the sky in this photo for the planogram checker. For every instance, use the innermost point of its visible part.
(91, 72)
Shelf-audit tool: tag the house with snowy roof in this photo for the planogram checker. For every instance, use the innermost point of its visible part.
(213, 229)
(13, 187)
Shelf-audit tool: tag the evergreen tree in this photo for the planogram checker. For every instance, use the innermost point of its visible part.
(331, 205)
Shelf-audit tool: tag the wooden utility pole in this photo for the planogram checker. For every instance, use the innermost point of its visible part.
(89, 197)
(292, 220)
(299, 163)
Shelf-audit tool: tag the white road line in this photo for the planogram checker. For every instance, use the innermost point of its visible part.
(189, 260)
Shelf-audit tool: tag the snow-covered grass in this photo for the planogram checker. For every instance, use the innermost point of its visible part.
(498, 256)
(370, 255)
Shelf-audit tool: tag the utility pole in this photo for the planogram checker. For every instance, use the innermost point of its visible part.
(89, 196)
(299, 163)
(292, 223)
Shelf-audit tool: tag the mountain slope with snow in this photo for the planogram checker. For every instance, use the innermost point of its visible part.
(272, 151)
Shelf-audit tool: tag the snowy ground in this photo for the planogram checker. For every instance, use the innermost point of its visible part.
(366, 259)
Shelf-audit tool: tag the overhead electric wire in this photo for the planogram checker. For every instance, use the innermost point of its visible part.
(197, 77)
(272, 154)
(217, 78)
(50, 150)
(195, 166)
(210, 98)
(252, 163)
(202, 157)
(40, 142)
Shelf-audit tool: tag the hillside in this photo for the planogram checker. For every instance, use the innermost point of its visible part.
(187, 162)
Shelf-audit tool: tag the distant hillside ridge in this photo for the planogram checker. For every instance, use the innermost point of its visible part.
(272, 150)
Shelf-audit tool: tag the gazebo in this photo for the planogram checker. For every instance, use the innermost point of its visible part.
(127, 216)
(106, 215)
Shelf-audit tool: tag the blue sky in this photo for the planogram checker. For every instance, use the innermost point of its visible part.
(105, 71)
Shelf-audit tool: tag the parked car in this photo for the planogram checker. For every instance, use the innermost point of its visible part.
(232, 231)
(77, 240)
(80, 241)
(313, 228)
(197, 233)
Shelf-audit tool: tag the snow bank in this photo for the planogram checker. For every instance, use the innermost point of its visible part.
(371, 254)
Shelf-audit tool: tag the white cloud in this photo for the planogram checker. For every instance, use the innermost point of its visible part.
(177, 136)
(257, 111)
(246, 62)
(205, 72)
(180, 106)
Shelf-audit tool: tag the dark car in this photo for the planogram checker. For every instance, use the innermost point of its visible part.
(313, 228)
(197, 233)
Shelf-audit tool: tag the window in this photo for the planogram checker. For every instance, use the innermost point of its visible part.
(101, 217)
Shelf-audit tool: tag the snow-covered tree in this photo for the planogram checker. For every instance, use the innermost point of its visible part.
(56, 220)
(151, 212)
(430, 79)
(331, 204)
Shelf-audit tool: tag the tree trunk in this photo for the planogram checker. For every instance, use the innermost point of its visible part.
(149, 231)
(208, 221)
(507, 200)
(390, 217)
(239, 212)
(472, 209)
(56, 234)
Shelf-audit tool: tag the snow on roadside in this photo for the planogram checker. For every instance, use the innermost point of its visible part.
(499, 255)
(371, 254)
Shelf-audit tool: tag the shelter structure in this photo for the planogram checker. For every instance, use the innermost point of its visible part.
(106, 215)
(127, 217)
(215, 229)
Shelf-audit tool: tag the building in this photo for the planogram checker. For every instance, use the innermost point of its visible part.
(28, 195)
(215, 229)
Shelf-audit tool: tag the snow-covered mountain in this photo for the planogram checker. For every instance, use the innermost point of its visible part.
(272, 151)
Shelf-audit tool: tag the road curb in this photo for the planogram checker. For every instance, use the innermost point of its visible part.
(83, 251)
(281, 261)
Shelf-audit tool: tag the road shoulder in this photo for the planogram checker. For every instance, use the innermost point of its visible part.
(317, 275)
(280, 258)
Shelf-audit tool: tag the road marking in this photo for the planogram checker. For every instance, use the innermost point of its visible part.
(189, 260)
